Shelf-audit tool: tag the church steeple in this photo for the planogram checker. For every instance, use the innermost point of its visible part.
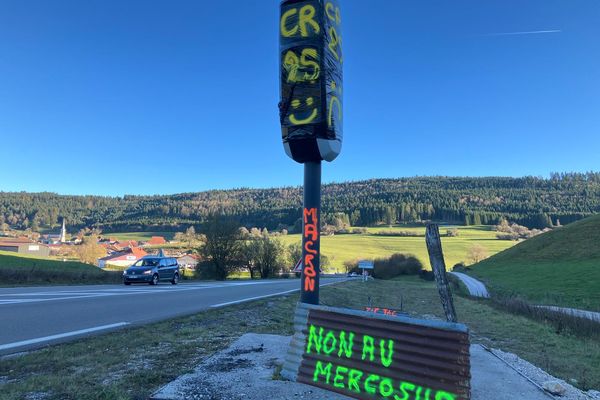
(63, 232)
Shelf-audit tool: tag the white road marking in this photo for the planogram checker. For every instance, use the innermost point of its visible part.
(131, 290)
(44, 296)
(20, 301)
(229, 303)
(60, 336)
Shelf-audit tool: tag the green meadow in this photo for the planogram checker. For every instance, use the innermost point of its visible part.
(561, 267)
(340, 248)
(139, 236)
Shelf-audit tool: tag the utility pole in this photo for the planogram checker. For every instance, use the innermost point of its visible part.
(436, 257)
(310, 111)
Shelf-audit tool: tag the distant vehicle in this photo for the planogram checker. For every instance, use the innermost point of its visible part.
(152, 269)
(352, 275)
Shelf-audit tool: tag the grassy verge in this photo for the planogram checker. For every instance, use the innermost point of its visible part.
(132, 363)
(19, 271)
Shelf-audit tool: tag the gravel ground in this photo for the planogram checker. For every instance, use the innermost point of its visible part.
(246, 371)
(540, 376)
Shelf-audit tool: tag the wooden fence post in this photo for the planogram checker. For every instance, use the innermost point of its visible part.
(436, 257)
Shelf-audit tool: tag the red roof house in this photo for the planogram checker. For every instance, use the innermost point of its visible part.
(156, 241)
(123, 258)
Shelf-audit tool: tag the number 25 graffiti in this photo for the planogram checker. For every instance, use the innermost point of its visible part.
(304, 68)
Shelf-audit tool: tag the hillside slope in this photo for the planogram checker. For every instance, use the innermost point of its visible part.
(15, 270)
(561, 267)
(534, 202)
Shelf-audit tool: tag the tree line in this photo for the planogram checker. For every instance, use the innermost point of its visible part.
(533, 202)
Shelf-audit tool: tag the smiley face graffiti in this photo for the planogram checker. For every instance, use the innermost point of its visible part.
(334, 100)
(304, 114)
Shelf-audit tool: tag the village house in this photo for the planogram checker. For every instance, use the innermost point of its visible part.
(122, 258)
(125, 244)
(156, 241)
(188, 261)
(24, 246)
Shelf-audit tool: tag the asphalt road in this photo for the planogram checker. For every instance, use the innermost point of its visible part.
(475, 287)
(34, 317)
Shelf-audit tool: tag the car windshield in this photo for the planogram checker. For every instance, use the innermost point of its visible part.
(146, 262)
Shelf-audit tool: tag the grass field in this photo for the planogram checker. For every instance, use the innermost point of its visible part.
(133, 363)
(139, 236)
(28, 270)
(561, 267)
(340, 248)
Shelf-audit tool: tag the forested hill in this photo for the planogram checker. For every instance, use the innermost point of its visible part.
(530, 201)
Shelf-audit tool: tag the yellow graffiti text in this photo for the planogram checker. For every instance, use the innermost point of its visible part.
(306, 23)
(334, 42)
(333, 13)
(292, 64)
(332, 101)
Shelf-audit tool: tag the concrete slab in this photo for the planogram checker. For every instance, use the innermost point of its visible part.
(492, 379)
(245, 371)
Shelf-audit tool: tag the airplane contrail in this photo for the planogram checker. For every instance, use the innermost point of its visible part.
(524, 33)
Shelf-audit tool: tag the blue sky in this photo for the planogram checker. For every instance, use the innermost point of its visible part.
(142, 97)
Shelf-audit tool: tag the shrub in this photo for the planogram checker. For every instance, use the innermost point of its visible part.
(452, 232)
(459, 267)
(351, 266)
(206, 271)
(516, 232)
(396, 265)
(426, 275)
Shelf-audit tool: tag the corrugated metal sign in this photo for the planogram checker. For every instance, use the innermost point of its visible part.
(373, 356)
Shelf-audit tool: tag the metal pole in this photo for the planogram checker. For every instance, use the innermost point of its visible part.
(311, 237)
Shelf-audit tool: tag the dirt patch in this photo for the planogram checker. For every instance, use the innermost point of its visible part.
(239, 352)
(229, 364)
(37, 395)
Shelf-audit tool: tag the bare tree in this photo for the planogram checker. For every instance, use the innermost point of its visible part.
(90, 251)
(477, 253)
(191, 237)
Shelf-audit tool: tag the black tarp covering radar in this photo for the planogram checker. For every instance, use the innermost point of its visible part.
(311, 79)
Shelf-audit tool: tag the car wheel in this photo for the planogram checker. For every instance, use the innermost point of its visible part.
(175, 280)
(154, 280)
(127, 283)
